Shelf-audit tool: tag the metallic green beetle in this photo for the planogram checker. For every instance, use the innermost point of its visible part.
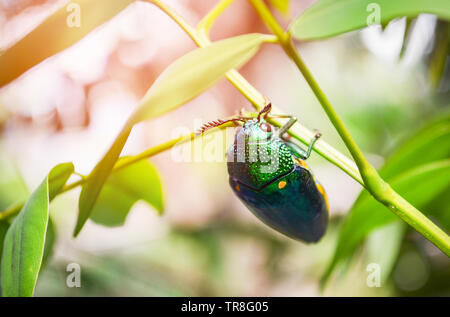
(268, 174)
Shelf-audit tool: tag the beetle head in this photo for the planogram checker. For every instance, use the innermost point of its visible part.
(255, 131)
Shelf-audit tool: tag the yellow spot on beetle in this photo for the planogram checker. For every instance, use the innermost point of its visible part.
(302, 164)
(281, 184)
(238, 188)
(322, 191)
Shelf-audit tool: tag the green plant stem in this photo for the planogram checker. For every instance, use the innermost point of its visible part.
(298, 131)
(379, 189)
(201, 40)
(207, 22)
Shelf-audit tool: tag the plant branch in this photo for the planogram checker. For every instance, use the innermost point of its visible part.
(257, 99)
(207, 22)
(202, 40)
(127, 161)
(179, 20)
(379, 189)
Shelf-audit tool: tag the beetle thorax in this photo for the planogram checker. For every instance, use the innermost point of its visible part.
(258, 157)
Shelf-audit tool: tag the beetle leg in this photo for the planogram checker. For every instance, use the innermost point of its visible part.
(287, 126)
(299, 152)
(311, 144)
(281, 116)
(296, 150)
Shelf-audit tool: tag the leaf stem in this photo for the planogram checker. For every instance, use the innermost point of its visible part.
(208, 20)
(189, 30)
(201, 40)
(379, 189)
(298, 131)
(407, 212)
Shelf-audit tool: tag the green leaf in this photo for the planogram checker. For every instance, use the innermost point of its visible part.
(383, 246)
(50, 238)
(56, 33)
(139, 181)
(58, 177)
(195, 72)
(182, 81)
(23, 248)
(418, 186)
(92, 187)
(430, 143)
(12, 186)
(3, 229)
(439, 55)
(332, 17)
(440, 210)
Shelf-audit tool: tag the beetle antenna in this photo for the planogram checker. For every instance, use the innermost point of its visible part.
(213, 124)
(265, 111)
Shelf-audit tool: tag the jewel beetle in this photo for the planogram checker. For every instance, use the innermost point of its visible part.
(268, 174)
